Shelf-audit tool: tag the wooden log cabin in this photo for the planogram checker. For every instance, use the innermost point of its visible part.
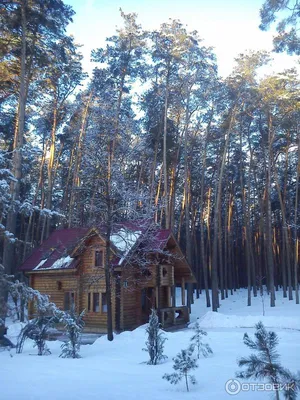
(146, 266)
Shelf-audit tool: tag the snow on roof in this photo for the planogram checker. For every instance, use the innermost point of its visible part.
(42, 262)
(63, 262)
(63, 241)
(124, 240)
(60, 243)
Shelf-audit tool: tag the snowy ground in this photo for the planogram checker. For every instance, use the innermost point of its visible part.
(116, 370)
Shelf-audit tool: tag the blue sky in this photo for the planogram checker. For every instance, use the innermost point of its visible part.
(230, 26)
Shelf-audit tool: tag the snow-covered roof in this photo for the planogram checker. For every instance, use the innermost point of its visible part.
(124, 240)
(57, 250)
(63, 262)
(41, 263)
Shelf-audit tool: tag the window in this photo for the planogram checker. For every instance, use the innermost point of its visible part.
(69, 301)
(96, 303)
(143, 299)
(89, 301)
(103, 302)
(146, 272)
(98, 258)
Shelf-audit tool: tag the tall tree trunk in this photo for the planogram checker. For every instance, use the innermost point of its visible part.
(296, 253)
(152, 175)
(285, 239)
(157, 196)
(245, 220)
(269, 215)
(108, 280)
(201, 212)
(11, 224)
(78, 156)
(229, 245)
(165, 167)
(220, 249)
(214, 272)
(249, 232)
(109, 224)
(187, 202)
(50, 166)
(30, 222)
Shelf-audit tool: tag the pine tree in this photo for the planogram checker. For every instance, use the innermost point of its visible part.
(266, 364)
(122, 56)
(5, 281)
(20, 293)
(196, 339)
(155, 342)
(47, 314)
(287, 37)
(73, 324)
(183, 363)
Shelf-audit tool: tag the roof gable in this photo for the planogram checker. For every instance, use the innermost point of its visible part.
(60, 250)
(54, 253)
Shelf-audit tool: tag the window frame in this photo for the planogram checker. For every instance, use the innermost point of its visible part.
(96, 304)
(89, 301)
(103, 294)
(92, 303)
(71, 296)
(101, 259)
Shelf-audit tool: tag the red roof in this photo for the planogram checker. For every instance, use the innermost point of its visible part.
(161, 238)
(58, 245)
(62, 242)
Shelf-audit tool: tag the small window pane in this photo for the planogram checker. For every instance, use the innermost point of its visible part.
(72, 300)
(104, 302)
(89, 302)
(67, 301)
(96, 304)
(98, 258)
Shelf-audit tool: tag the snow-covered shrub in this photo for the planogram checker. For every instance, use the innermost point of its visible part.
(197, 343)
(6, 177)
(5, 281)
(266, 365)
(5, 284)
(155, 341)
(73, 325)
(184, 362)
(38, 329)
(20, 293)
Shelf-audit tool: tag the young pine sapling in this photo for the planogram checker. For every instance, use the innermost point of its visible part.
(155, 341)
(266, 366)
(184, 362)
(196, 339)
(262, 293)
(38, 328)
(74, 325)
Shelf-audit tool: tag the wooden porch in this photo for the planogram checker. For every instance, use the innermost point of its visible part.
(174, 316)
(171, 315)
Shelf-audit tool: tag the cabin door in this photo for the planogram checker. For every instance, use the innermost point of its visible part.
(147, 298)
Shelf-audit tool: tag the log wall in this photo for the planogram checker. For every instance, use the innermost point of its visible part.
(56, 285)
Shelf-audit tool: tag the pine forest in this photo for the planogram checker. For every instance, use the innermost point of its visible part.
(153, 133)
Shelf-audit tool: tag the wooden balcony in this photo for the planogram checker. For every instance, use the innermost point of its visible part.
(172, 316)
(149, 278)
(166, 275)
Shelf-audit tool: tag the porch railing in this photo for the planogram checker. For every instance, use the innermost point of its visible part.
(171, 316)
